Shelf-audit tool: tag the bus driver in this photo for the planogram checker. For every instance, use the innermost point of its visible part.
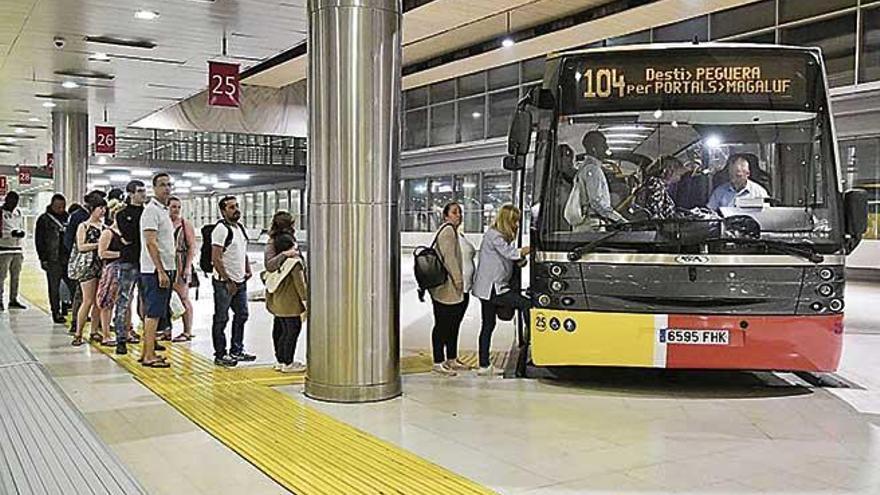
(739, 186)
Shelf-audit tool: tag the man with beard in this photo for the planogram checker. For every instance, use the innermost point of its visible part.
(231, 273)
(49, 241)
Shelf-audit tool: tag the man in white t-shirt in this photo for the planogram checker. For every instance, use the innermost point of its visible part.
(231, 273)
(157, 265)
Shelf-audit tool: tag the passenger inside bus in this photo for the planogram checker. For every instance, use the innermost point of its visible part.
(589, 202)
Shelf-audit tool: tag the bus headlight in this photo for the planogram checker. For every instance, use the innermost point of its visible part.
(836, 305)
(826, 274)
(825, 290)
(544, 300)
(557, 285)
(556, 270)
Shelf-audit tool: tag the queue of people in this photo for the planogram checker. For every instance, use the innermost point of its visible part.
(130, 243)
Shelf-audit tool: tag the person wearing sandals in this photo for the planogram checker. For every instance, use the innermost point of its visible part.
(185, 248)
(157, 266)
(110, 247)
(450, 300)
(498, 254)
(287, 300)
(86, 267)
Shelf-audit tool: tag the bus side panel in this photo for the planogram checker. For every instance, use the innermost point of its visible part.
(796, 343)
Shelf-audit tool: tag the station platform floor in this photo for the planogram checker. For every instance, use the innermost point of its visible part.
(195, 429)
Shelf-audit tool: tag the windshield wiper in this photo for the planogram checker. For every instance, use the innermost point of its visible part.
(805, 251)
(581, 249)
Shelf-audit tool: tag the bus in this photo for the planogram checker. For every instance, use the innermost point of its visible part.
(687, 209)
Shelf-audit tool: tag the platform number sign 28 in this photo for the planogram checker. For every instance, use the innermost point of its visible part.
(105, 139)
(224, 89)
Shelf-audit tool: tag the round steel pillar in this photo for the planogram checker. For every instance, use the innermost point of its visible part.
(354, 242)
(70, 147)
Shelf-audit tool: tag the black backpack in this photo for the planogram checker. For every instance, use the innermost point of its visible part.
(205, 262)
(429, 269)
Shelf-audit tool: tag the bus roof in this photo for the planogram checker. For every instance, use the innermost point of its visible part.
(816, 51)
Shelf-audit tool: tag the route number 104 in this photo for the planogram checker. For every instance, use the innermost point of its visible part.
(602, 83)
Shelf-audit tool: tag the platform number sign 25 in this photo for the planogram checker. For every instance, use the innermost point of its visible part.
(224, 89)
(105, 139)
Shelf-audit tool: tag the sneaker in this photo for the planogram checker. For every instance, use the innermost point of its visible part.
(59, 320)
(294, 367)
(14, 304)
(442, 369)
(243, 356)
(457, 364)
(121, 350)
(226, 361)
(489, 371)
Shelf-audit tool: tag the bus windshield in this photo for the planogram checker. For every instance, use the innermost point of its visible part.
(665, 174)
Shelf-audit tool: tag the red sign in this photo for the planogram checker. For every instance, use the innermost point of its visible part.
(105, 139)
(50, 162)
(3, 186)
(223, 87)
(24, 176)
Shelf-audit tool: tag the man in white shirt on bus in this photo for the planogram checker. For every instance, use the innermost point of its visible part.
(231, 273)
(739, 186)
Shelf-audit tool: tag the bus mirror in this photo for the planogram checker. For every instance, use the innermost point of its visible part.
(855, 203)
(514, 163)
(542, 98)
(520, 136)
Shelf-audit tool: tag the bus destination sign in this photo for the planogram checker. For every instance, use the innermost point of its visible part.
(607, 82)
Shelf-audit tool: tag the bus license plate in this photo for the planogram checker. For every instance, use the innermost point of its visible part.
(694, 337)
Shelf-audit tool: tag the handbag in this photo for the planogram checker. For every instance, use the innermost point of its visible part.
(428, 266)
(80, 264)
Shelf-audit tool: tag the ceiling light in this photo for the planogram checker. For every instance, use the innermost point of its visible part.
(99, 57)
(102, 160)
(101, 182)
(139, 172)
(146, 15)
(476, 115)
(199, 188)
(578, 76)
(49, 104)
(208, 179)
(222, 185)
(120, 177)
(507, 42)
(70, 85)
(181, 190)
(11, 140)
(713, 141)
(95, 171)
(239, 176)
(674, 123)
(183, 183)
(194, 175)
(19, 130)
(33, 119)
(658, 113)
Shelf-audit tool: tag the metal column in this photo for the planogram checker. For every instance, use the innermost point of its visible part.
(354, 241)
(70, 147)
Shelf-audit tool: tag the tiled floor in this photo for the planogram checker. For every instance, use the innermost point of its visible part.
(614, 433)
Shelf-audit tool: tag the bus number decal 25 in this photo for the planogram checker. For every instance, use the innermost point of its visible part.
(602, 83)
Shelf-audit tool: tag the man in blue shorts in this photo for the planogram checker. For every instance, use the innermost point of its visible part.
(157, 265)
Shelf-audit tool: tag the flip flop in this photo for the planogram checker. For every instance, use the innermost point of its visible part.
(182, 338)
(77, 341)
(164, 337)
(158, 358)
(155, 364)
(133, 338)
(108, 343)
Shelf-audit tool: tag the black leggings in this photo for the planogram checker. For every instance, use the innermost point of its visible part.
(489, 307)
(285, 332)
(447, 322)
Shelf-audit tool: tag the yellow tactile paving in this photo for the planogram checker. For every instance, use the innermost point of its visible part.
(302, 449)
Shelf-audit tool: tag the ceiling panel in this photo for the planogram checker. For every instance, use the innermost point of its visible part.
(187, 34)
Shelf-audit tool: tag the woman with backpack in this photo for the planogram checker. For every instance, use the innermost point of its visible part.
(498, 254)
(286, 291)
(184, 252)
(450, 299)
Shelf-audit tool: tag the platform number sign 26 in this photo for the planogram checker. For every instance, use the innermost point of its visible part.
(224, 89)
(105, 139)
